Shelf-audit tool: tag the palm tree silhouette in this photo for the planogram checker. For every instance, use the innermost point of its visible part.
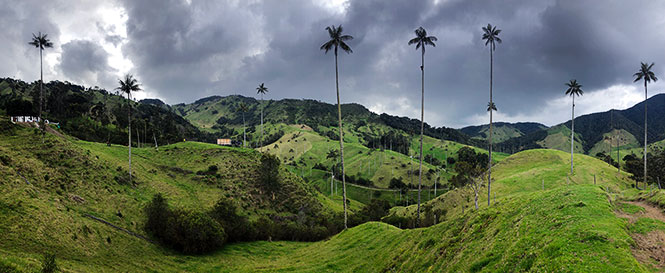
(337, 39)
(42, 42)
(647, 75)
(421, 40)
(129, 85)
(261, 90)
(574, 89)
(491, 37)
(243, 109)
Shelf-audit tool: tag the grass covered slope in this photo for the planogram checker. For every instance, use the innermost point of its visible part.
(526, 172)
(47, 191)
(566, 229)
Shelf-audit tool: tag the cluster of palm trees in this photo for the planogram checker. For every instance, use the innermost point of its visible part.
(338, 40)
(574, 89)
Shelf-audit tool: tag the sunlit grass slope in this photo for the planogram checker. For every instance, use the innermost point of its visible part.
(565, 229)
(47, 188)
(526, 172)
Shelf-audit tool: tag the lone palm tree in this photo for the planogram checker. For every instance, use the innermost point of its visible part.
(647, 75)
(261, 90)
(421, 40)
(129, 85)
(491, 37)
(41, 41)
(337, 40)
(574, 89)
(243, 109)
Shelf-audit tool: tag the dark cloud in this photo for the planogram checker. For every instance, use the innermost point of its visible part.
(86, 62)
(183, 50)
(19, 19)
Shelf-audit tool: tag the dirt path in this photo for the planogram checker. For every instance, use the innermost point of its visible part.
(649, 249)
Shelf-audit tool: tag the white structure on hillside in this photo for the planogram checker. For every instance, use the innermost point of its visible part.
(28, 119)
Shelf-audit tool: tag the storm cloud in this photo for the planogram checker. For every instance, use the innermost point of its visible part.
(183, 50)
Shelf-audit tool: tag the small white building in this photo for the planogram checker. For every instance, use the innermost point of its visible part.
(27, 119)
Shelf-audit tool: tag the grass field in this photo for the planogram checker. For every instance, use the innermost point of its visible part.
(540, 221)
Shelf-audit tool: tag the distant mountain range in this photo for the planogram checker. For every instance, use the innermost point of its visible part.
(594, 130)
(98, 115)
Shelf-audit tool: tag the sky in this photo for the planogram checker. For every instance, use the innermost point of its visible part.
(184, 50)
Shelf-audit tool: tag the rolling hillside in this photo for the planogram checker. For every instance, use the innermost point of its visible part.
(502, 131)
(94, 114)
(51, 191)
(592, 130)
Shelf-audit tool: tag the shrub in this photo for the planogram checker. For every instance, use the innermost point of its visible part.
(185, 231)
(48, 264)
(269, 172)
(236, 227)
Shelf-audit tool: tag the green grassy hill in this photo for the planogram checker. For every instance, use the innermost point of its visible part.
(563, 227)
(526, 172)
(48, 191)
(502, 131)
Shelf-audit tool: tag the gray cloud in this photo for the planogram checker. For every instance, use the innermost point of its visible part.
(86, 62)
(183, 50)
(19, 20)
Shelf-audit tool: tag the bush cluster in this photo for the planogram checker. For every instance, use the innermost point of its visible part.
(185, 231)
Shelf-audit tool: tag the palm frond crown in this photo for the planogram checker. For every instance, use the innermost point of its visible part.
(422, 40)
(645, 73)
(129, 84)
(491, 106)
(491, 36)
(574, 88)
(41, 41)
(261, 89)
(337, 39)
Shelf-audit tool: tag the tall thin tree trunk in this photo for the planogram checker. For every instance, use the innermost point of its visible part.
(341, 140)
(489, 173)
(422, 126)
(572, 135)
(155, 138)
(41, 88)
(618, 158)
(261, 121)
(129, 133)
(645, 133)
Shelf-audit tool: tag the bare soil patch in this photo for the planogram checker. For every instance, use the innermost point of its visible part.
(649, 249)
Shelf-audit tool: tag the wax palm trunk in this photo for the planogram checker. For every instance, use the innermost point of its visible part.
(341, 140)
(422, 126)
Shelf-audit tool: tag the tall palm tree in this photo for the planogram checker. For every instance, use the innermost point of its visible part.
(647, 75)
(129, 85)
(491, 37)
(338, 40)
(574, 89)
(421, 40)
(243, 109)
(261, 90)
(42, 42)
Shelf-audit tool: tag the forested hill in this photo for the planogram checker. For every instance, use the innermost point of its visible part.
(593, 128)
(217, 113)
(502, 131)
(95, 114)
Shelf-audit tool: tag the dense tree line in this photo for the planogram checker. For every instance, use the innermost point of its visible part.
(94, 114)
